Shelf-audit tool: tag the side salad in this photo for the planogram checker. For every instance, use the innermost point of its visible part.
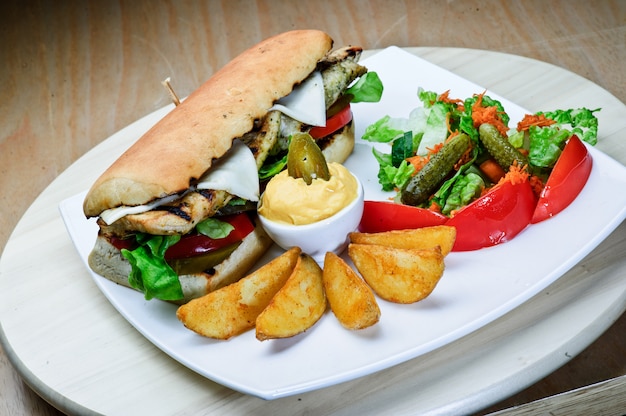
(458, 162)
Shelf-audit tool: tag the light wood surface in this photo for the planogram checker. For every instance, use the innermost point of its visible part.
(76, 72)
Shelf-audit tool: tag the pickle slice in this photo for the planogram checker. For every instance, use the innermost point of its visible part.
(202, 262)
(305, 159)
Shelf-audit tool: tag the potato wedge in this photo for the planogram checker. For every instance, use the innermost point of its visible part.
(427, 237)
(233, 309)
(350, 298)
(398, 275)
(297, 306)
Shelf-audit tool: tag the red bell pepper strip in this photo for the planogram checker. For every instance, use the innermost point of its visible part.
(567, 179)
(386, 216)
(494, 218)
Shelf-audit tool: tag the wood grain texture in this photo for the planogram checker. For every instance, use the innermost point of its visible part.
(75, 72)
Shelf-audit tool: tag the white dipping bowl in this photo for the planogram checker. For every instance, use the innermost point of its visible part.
(315, 239)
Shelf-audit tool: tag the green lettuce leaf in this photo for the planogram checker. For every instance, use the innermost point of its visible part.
(390, 176)
(150, 272)
(272, 168)
(383, 131)
(436, 129)
(580, 121)
(546, 144)
(214, 228)
(459, 191)
(428, 98)
(368, 89)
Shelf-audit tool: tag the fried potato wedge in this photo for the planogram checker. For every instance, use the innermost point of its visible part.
(350, 298)
(418, 238)
(297, 306)
(233, 309)
(398, 275)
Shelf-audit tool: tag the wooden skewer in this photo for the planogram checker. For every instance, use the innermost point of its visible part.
(168, 86)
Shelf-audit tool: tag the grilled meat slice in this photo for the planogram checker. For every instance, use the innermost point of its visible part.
(179, 217)
(339, 69)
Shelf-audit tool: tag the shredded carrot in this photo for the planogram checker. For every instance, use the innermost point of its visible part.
(434, 207)
(445, 97)
(435, 149)
(534, 120)
(537, 184)
(418, 162)
(493, 170)
(490, 115)
(452, 134)
(516, 174)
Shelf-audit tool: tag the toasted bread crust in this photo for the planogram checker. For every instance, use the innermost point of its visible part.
(182, 146)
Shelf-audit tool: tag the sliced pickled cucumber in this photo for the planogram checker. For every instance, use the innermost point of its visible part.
(425, 182)
(202, 262)
(305, 159)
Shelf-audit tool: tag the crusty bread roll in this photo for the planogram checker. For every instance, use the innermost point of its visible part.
(341, 144)
(181, 146)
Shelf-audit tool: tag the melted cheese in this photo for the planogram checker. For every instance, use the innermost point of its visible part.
(235, 173)
(306, 102)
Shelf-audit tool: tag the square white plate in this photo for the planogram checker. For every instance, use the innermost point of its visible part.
(477, 287)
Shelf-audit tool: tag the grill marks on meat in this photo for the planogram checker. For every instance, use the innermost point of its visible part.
(262, 140)
(338, 70)
(179, 217)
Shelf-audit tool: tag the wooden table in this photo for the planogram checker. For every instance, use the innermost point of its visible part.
(76, 72)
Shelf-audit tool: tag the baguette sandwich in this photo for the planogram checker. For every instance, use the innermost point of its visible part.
(177, 211)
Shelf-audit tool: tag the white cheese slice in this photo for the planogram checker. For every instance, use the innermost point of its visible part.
(306, 102)
(111, 215)
(235, 173)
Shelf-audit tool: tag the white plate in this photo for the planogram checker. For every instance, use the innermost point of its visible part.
(477, 287)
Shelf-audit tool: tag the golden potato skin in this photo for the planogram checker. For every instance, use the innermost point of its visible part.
(398, 275)
(426, 237)
(233, 309)
(297, 306)
(350, 298)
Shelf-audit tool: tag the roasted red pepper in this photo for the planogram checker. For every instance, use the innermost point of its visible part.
(494, 218)
(567, 179)
(385, 216)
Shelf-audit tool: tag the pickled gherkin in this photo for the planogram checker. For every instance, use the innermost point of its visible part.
(425, 182)
(499, 147)
(203, 262)
(305, 159)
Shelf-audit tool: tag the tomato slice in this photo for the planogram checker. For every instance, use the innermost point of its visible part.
(386, 216)
(195, 244)
(567, 179)
(333, 123)
(494, 218)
